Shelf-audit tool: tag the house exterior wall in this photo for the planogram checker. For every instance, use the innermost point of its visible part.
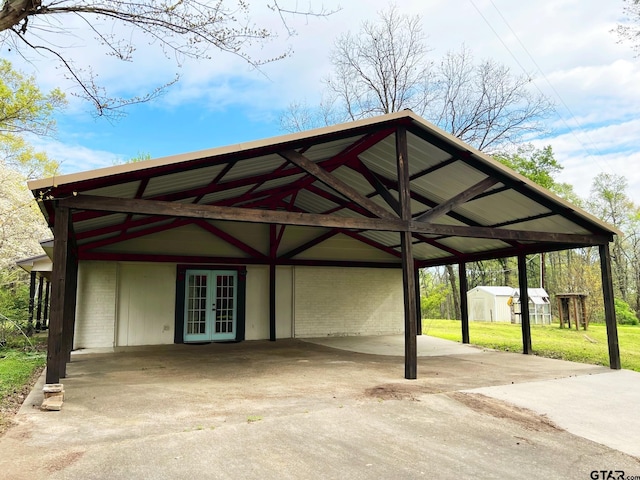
(146, 304)
(348, 301)
(96, 305)
(129, 303)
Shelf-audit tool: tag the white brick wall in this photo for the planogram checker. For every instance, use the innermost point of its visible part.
(146, 304)
(348, 301)
(96, 305)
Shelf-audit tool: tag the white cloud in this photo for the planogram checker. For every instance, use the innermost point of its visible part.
(74, 157)
(567, 45)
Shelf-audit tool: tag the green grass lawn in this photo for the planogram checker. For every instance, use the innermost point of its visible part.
(16, 368)
(19, 366)
(547, 340)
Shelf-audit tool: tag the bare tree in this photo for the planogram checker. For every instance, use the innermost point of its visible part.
(630, 31)
(181, 28)
(385, 67)
(484, 104)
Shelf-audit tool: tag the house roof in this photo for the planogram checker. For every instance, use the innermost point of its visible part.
(465, 205)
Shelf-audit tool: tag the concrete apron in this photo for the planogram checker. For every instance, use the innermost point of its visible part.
(294, 409)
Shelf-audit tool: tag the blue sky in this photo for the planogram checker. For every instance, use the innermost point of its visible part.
(565, 45)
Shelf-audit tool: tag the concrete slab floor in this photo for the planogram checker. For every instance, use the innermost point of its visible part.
(294, 409)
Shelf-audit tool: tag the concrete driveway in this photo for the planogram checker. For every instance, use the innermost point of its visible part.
(299, 409)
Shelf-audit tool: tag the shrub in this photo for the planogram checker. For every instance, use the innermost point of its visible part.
(624, 314)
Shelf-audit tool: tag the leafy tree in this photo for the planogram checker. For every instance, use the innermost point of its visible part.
(609, 201)
(181, 28)
(538, 165)
(23, 109)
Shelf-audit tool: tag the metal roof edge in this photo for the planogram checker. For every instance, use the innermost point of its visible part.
(52, 182)
(492, 162)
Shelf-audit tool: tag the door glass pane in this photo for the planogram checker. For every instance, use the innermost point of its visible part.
(197, 304)
(224, 304)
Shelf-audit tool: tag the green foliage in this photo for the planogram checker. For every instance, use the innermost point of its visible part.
(430, 303)
(139, 157)
(14, 302)
(624, 314)
(538, 165)
(23, 107)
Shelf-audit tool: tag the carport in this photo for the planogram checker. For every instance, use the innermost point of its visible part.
(390, 192)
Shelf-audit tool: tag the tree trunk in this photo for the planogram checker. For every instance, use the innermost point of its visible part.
(15, 11)
(454, 291)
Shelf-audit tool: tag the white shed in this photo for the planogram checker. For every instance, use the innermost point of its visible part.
(490, 304)
(502, 304)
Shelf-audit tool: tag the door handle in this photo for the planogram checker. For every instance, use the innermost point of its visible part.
(213, 307)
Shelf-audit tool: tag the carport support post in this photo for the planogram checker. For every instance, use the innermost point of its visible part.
(39, 304)
(55, 353)
(32, 296)
(408, 264)
(524, 304)
(69, 307)
(418, 303)
(609, 307)
(45, 318)
(272, 302)
(464, 306)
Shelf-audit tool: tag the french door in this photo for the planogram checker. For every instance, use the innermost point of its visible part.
(210, 307)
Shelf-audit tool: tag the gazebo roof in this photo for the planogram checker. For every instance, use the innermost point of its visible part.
(334, 194)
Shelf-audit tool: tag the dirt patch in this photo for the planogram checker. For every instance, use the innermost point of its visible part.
(12, 403)
(399, 391)
(499, 409)
(63, 461)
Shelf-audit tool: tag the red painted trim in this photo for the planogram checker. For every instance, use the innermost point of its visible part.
(207, 161)
(311, 243)
(149, 258)
(230, 239)
(131, 235)
(372, 243)
(118, 227)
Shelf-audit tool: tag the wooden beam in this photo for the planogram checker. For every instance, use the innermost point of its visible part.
(418, 301)
(521, 187)
(69, 309)
(311, 243)
(32, 299)
(272, 302)
(58, 280)
(408, 263)
(335, 183)
(506, 235)
(459, 199)
(45, 317)
(381, 189)
(524, 304)
(39, 305)
(464, 305)
(230, 239)
(609, 307)
(197, 260)
(211, 212)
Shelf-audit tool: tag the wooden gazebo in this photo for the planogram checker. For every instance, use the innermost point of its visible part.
(394, 184)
